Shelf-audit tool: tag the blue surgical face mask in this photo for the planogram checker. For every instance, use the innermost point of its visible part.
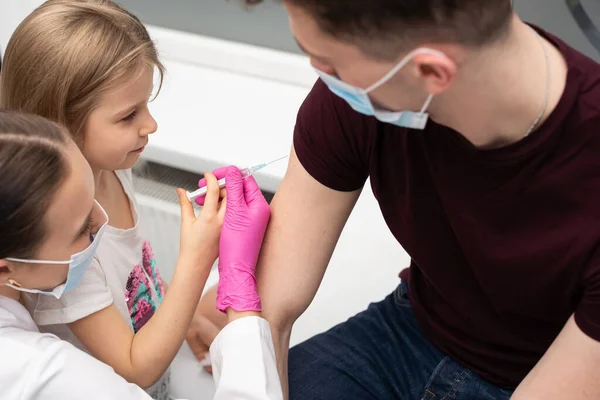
(359, 99)
(78, 265)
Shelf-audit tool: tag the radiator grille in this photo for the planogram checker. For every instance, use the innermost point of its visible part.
(160, 181)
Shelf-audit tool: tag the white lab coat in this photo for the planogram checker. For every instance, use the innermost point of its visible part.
(41, 366)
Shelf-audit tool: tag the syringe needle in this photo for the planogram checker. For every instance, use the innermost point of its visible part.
(274, 161)
(258, 167)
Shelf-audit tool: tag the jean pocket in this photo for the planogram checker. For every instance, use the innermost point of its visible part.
(446, 380)
(401, 298)
(452, 381)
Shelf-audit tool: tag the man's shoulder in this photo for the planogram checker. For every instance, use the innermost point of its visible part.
(320, 93)
(585, 115)
(584, 75)
(588, 97)
(323, 108)
(319, 103)
(332, 141)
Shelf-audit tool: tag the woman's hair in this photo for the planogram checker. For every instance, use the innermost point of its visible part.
(66, 54)
(34, 165)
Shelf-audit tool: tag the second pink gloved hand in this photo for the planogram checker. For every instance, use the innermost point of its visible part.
(246, 218)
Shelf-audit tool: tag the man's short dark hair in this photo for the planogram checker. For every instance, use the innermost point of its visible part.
(382, 27)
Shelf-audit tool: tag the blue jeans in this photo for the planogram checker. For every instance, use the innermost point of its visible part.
(382, 354)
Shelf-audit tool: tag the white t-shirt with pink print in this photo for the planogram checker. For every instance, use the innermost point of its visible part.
(123, 273)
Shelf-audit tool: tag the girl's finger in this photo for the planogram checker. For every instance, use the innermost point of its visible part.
(219, 173)
(211, 203)
(187, 209)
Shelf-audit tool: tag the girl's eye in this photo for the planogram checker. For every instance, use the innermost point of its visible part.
(130, 116)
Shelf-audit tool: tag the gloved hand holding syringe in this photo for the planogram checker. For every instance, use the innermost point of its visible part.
(246, 172)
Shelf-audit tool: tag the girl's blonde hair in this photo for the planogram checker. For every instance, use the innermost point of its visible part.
(66, 54)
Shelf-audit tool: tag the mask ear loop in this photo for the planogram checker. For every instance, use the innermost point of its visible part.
(426, 105)
(401, 64)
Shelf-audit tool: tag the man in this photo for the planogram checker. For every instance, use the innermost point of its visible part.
(495, 196)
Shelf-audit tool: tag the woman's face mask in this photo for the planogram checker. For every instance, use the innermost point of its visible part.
(359, 99)
(78, 265)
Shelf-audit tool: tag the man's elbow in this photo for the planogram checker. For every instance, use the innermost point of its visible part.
(281, 310)
(281, 320)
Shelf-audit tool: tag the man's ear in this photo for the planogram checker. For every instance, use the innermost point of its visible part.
(5, 271)
(438, 72)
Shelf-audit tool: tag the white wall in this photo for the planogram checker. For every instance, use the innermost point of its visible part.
(554, 16)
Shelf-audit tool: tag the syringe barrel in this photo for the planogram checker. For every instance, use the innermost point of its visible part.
(202, 191)
(246, 172)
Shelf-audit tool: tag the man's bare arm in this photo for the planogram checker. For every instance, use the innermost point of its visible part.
(570, 369)
(306, 221)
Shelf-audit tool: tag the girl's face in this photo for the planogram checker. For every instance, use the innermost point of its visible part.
(69, 221)
(117, 131)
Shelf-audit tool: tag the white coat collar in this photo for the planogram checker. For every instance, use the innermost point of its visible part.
(14, 315)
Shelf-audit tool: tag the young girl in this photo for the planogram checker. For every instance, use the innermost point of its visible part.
(51, 227)
(90, 66)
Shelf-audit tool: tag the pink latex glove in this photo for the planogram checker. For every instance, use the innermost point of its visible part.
(246, 218)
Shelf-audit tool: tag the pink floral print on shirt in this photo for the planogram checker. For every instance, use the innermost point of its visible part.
(144, 290)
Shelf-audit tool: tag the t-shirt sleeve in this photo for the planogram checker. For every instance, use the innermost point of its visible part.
(587, 314)
(332, 141)
(90, 296)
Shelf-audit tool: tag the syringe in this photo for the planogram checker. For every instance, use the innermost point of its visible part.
(246, 172)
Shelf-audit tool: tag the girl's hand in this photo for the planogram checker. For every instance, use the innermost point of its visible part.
(200, 235)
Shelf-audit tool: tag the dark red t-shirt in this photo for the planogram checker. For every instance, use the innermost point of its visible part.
(504, 243)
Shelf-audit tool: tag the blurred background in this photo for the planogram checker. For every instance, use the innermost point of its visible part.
(267, 25)
(235, 80)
